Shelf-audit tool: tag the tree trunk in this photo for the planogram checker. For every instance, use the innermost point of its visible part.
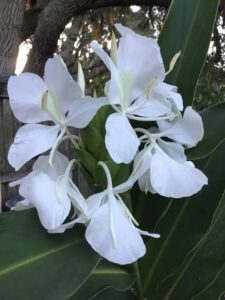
(11, 19)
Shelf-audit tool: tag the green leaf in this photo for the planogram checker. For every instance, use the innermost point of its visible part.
(111, 294)
(182, 227)
(38, 265)
(105, 276)
(202, 265)
(214, 133)
(188, 28)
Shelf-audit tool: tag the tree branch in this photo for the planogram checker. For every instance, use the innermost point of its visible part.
(52, 18)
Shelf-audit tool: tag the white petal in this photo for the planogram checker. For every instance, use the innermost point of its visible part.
(58, 168)
(41, 192)
(103, 55)
(145, 184)
(171, 178)
(121, 140)
(174, 150)
(129, 244)
(25, 94)
(151, 107)
(31, 140)
(55, 170)
(123, 30)
(83, 110)
(187, 130)
(142, 165)
(95, 201)
(113, 88)
(143, 69)
(173, 95)
(177, 100)
(22, 205)
(60, 83)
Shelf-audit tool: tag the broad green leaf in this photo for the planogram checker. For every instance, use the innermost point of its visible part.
(203, 264)
(182, 226)
(37, 265)
(111, 294)
(105, 276)
(215, 289)
(188, 28)
(214, 131)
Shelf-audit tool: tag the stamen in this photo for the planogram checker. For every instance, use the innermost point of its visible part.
(44, 101)
(149, 88)
(73, 138)
(170, 117)
(127, 210)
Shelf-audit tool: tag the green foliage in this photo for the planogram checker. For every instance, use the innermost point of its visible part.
(104, 277)
(188, 261)
(188, 28)
(214, 124)
(37, 265)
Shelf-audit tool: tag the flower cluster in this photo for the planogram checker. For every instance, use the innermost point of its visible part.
(136, 91)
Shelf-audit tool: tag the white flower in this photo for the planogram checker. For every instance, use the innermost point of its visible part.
(111, 231)
(162, 167)
(135, 90)
(49, 188)
(57, 98)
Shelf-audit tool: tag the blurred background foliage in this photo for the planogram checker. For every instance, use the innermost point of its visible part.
(73, 45)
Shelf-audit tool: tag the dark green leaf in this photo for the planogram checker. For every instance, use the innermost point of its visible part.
(106, 275)
(188, 29)
(37, 265)
(214, 131)
(203, 264)
(183, 225)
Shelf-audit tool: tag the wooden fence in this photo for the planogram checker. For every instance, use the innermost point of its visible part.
(8, 128)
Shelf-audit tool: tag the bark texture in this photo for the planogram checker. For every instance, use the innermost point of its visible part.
(11, 19)
(53, 18)
(48, 18)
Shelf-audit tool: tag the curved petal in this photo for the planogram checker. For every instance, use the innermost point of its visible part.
(173, 95)
(145, 184)
(68, 225)
(113, 87)
(25, 94)
(41, 192)
(174, 150)
(123, 30)
(31, 140)
(150, 108)
(121, 140)
(143, 69)
(22, 205)
(187, 130)
(95, 201)
(171, 178)
(83, 110)
(128, 245)
(55, 170)
(141, 165)
(60, 83)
